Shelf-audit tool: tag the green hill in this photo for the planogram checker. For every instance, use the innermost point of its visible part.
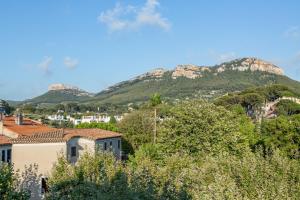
(185, 81)
(60, 93)
(189, 81)
(57, 97)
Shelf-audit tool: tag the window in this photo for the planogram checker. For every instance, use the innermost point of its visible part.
(73, 151)
(105, 146)
(3, 156)
(110, 145)
(8, 155)
(44, 186)
(119, 144)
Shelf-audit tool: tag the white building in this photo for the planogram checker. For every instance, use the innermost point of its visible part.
(104, 118)
(89, 119)
(56, 117)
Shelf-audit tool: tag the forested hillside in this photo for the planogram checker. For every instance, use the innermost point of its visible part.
(185, 81)
(190, 81)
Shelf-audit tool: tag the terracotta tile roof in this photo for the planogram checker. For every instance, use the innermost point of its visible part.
(33, 132)
(92, 134)
(28, 127)
(4, 140)
(49, 137)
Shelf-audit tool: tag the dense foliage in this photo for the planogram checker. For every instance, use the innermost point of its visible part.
(137, 127)
(282, 133)
(200, 128)
(9, 184)
(287, 107)
(7, 108)
(253, 99)
(178, 177)
(100, 125)
(203, 152)
(102, 177)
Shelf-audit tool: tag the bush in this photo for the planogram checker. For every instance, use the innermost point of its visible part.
(100, 125)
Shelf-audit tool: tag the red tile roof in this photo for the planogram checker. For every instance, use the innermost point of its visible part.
(28, 127)
(93, 134)
(4, 140)
(49, 137)
(33, 132)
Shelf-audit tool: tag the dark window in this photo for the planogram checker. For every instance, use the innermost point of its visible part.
(44, 188)
(3, 156)
(105, 146)
(110, 145)
(73, 151)
(119, 144)
(8, 155)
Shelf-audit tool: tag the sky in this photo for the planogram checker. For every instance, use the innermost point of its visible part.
(94, 44)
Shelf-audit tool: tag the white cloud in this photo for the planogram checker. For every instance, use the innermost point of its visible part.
(70, 63)
(45, 64)
(293, 32)
(132, 17)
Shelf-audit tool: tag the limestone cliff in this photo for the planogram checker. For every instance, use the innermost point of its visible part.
(252, 64)
(68, 89)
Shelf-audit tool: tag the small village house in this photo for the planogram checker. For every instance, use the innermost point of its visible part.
(24, 142)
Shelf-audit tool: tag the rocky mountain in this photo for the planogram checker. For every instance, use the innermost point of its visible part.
(194, 71)
(249, 64)
(69, 89)
(192, 81)
(184, 81)
(60, 93)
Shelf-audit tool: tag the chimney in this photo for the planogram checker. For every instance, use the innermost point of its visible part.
(1, 116)
(1, 127)
(19, 119)
(1, 123)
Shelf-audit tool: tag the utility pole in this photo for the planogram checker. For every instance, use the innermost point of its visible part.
(154, 139)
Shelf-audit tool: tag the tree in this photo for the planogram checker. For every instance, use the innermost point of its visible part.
(100, 176)
(7, 108)
(282, 133)
(100, 125)
(155, 101)
(112, 120)
(137, 127)
(202, 153)
(200, 128)
(287, 107)
(9, 184)
(28, 108)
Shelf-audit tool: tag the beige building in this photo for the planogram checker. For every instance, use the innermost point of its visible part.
(24, 142)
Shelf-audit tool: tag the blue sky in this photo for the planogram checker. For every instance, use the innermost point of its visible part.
(96, 43)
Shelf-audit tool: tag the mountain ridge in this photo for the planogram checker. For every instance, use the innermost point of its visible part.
(184, 81)
(194, 71)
